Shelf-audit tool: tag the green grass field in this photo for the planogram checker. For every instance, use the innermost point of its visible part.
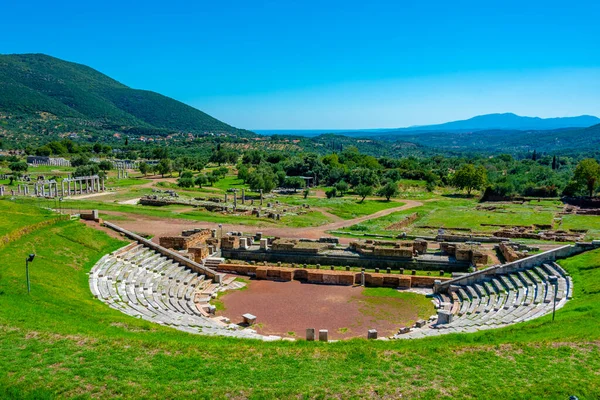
(470, 215)
(59, 342)
(344, 207)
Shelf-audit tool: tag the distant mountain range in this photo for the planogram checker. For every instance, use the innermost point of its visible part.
(37, 87)
(507, 121)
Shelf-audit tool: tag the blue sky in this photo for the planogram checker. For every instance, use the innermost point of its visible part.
(330, 64)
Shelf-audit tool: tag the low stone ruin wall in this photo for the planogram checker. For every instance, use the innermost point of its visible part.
(465, 252)
(329, 277)
(341, 260)
(403, 223)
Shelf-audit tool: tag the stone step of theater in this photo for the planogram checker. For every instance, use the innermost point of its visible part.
(497, 301)
(143, 283)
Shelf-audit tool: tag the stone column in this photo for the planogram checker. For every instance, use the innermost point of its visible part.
(243, 197)
(261, 197)
(225, 197)
(234, 200)
(62, 188)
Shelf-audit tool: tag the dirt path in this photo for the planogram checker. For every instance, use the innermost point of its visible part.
(158, 226)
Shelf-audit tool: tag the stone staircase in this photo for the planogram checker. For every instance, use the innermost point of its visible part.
(498, 300)
(142, 283)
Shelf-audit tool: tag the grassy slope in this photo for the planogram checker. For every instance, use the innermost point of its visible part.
(15, 216)
(60, 341)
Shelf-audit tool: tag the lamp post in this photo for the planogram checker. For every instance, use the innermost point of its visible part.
(553, 279)
(27, 261)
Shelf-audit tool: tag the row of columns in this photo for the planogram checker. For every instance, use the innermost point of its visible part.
(93, 184)
(68, 187)
(243, 198)
(122, 173)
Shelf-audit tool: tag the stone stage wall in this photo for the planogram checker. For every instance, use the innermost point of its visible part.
(320, 276)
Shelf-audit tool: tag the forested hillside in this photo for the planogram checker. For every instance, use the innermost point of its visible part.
(43, 95)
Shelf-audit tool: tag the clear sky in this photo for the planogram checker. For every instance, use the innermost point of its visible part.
(330, 64)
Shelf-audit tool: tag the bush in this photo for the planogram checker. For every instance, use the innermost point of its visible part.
(331, 193)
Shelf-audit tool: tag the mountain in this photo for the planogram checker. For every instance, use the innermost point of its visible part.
(35, 88)
(507, 121)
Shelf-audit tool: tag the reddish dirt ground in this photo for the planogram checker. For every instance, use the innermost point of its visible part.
(284, 307)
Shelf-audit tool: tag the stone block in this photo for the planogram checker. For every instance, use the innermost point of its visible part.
(331, 279)
(261, 273)
(249, 319)
(372, 334)
(264, 244)
(444, 317)
(420, 323)
(310, 334)
(323, 335)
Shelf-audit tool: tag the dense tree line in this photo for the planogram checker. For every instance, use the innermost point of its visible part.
(349, 170)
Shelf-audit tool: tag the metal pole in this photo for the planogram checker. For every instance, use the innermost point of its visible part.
(27, 272)
(554, 303)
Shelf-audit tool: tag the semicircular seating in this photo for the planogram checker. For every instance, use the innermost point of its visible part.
(497, 301)
(141, 282)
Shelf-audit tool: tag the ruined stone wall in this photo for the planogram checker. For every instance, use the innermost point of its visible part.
(508, 252)
(184, 242)
(230, 242)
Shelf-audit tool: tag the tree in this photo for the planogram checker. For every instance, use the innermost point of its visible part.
(294, 182)
(389, 190)
(263, 178)
(342, 187)
(79, 161)
(105, 165)
(469, 177)
(164, 167)
(144, 168)
(363, 191)
(178, 165)
(534, 156)
(554, 164)
(185, 182)
(213, 177)
(243, 173)
(587, 173)
(305, 193)
(200, 180)
(18, 167)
